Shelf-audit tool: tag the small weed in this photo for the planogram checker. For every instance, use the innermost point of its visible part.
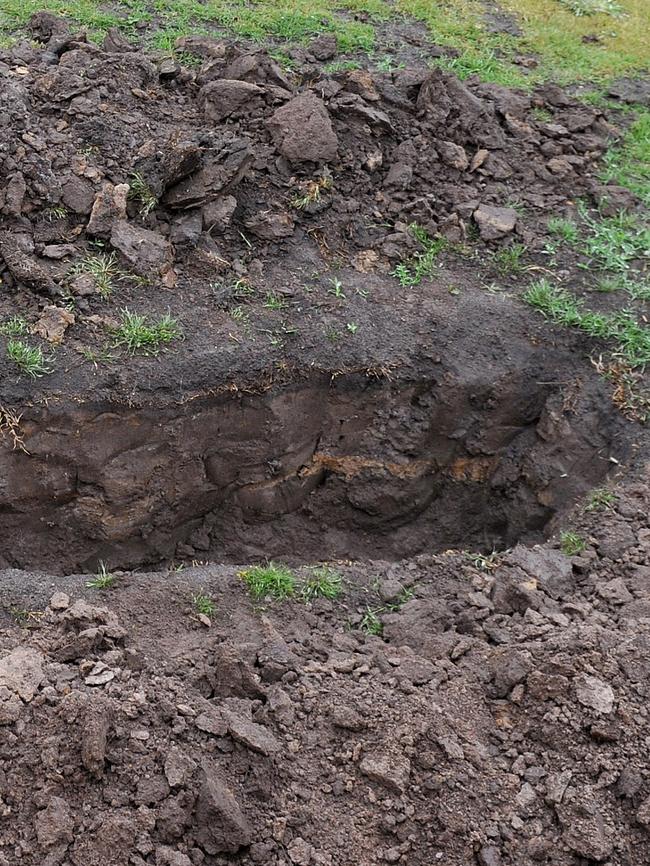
(371, 622)
(405, 595)
(564, 229)
(581, 8)
(387, 64)
(28, 359)
(337, 288)
(283, 59)
(571, 543)
(623, 282)
(542, 115)
(95, 356)
(26, 618)
(600, 499)
(341, 66)
(137, 334)
(323, 582)
(332, 334)
(275, 302)
(16, 326)
(103, 579)
(508, 260)
(485, 561)
(104, 270)
(240, 314)
(56, 212)
(272, 580)
(203, 604)
(10, 429)
(311, 192)
(412, 271)
(352, 327)
(140, 191)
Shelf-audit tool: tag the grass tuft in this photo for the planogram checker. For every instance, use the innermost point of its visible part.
(600, 499)
(28, 359)
(203, 604)
(323, 582)
(103, 579)
(564, 229)
(104, 270)
(571, 543)
(508, 261)
(371, 622)
(141, 192)
(137, 334)
(272, 580)
(412, 271)
(16, 326)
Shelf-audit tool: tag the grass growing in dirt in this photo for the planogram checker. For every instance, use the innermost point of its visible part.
(628, 164)
(600, 499)
(571, 543)
(141, 192)
(28, 359)
(631, 340)
(614, 243)
(412, 271)
(139, 335)
(272, 580)
(509, 260)
(323, 582)
(371, 622)
(203, 604)
(104, 579)
(104, 270)
(16, 326)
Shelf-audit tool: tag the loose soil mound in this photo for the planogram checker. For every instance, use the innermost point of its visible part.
(501, 719)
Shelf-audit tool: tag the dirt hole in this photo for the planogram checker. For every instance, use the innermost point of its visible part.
(357, 466)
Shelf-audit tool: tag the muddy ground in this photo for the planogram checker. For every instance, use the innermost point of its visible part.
(448, 707)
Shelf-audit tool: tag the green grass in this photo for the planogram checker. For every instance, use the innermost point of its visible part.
(28, 359)
(566, 230)
(103, 579)
(630, 339)
(272, 580)
(571, 543)
(371, 622)
(600, 499)
(203, 604)
(628, 164)
(141, 192)
(413, 270)
(508, 261)
(637, 291)
(137, 334)
(16, 326)
(104, 270)
(323, 582)
(614, 243)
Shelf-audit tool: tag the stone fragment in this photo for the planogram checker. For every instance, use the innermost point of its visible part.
(323, 47)
(221, 827)
(54, 824)
(212, 722)
(253, 736)
(10, 706)
(346, 717)
(643, 814)
(509, 667)
(166, 856)
(95, 725)
(300, 852)
(615, 591)
(108, 208)
(592, 692)
(60, 601)
(23, 267)
(178, 767)
(53, 324)
(78, 195)
(147, 252)
(495, 222)
(223, 98)
(453, 155)
(21, 672)
(584, 829)
(302, 130)
(218, 214)
(489, 855)
(391, 771)
(271, 226)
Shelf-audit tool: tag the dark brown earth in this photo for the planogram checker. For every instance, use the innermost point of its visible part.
(316, 408)
(501, 719)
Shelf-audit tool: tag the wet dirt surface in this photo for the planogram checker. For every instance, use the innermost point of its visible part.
(315, 409)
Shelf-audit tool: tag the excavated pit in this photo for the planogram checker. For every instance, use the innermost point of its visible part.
(346, 467)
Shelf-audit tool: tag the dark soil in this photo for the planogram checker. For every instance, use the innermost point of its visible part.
(315, 408)
(501, 718)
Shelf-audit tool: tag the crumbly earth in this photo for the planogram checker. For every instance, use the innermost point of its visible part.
(501, 718)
